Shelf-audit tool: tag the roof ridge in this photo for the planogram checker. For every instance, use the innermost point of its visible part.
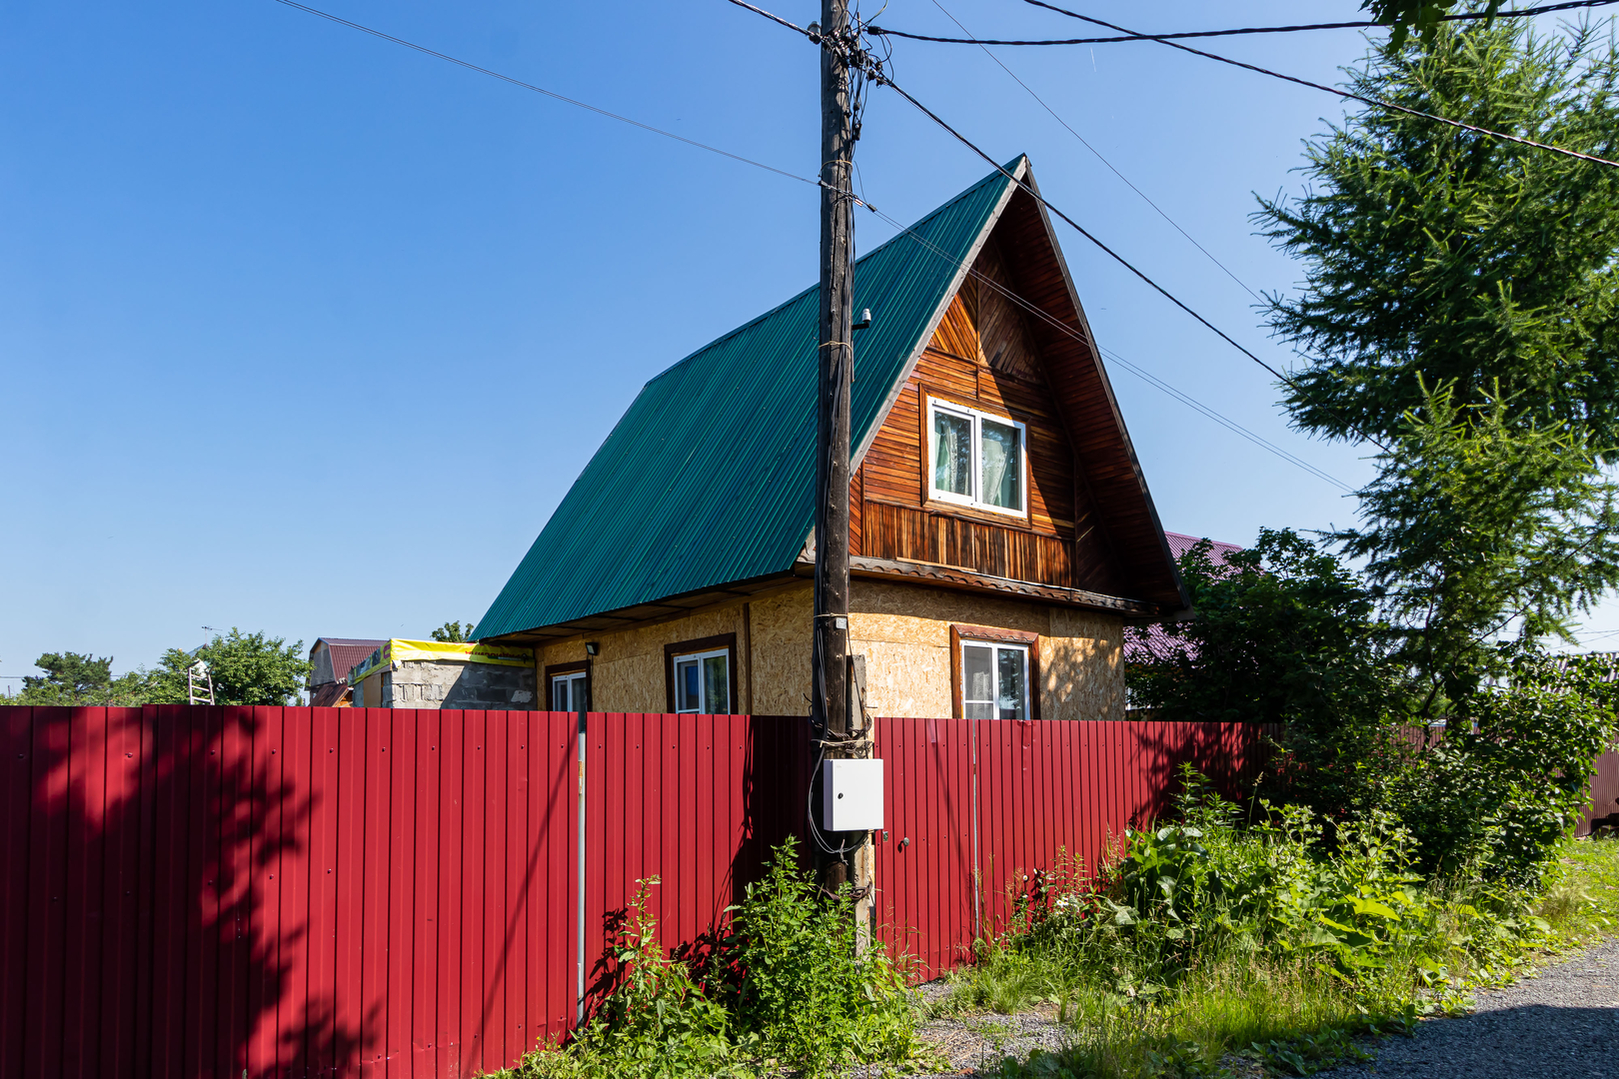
(797, 296)
(678, 499)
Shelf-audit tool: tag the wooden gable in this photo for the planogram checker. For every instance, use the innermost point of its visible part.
(991, 353)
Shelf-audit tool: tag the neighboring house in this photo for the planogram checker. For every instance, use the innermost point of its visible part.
(444, 674)
(1153, 642)
(1001, 528)
(330, 659)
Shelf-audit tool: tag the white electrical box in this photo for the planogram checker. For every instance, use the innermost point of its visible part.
(851, 795)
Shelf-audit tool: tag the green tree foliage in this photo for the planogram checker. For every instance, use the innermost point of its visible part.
(453, 632)
(1512, 774)
(1459, 308)
(74, 679)
(1284, 634)
(1480, 515)
(247, 668)
(1420, 15)
(1437, 253)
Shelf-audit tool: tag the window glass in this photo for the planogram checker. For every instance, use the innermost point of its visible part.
(1009, 678)
(688, 676)
(977, 458)
(716, 685)
(994, 681)
(1003, 465)
(568, 692)
(703, 682)
(952, 453)
(978, 681)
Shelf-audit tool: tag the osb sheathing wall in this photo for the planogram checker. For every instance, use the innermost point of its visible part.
(772, 644)
(904, 633)
(902, 630)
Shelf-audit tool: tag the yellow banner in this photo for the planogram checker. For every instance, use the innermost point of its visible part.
(400, 651)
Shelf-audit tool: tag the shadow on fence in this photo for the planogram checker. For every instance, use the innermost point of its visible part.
(144, 844)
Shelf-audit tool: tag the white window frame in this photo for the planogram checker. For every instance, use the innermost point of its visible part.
(995, 648)
(569, 679)
(974, 499)
(702, 679)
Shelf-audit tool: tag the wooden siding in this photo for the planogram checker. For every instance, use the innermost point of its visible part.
(984, 355)
(1110, 493)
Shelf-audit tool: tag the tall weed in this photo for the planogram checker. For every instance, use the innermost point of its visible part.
(780, 989)
(1205, 939)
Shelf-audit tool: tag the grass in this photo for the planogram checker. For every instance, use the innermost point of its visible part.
(1286, 1012)
(1582, 897)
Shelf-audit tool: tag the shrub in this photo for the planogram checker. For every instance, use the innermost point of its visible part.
(1512, 775)
(782, 989)
(1285, 634)
(812, 1002)
(656, 1022)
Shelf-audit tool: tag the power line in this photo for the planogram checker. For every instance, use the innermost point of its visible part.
(808, 33)
(553, 94)
(1464, 16)
(1347, 95)
(1225, 421)
(1120, 259)
(804, 179)
(1160, 211)
(1062, 327)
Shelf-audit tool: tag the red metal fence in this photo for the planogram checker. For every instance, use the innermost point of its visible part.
(975, 806)
(199, 892)
(213, 891)
(1604, 807)
(375, 892)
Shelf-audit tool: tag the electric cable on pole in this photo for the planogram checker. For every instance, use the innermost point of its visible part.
(829, 682)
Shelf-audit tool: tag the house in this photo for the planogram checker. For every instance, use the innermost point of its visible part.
(330, 659)
(444, 674)
(1001, 529)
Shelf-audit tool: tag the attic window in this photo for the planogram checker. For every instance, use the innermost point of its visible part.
(976, 458)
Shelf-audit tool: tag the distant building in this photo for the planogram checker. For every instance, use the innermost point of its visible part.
(1151, 642)
(330, 659)
(444, 674)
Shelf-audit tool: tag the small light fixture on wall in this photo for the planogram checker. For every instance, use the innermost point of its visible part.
(592, 647)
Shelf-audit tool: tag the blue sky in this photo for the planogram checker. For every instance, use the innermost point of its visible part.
(305, 332)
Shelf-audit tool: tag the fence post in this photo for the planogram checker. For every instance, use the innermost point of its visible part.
(579, 896)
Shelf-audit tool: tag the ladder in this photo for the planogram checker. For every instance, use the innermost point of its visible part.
(199, 683)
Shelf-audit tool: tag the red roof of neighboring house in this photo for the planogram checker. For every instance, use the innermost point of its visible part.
(1153, 641)
(1179, 544)
(346, 652)
(327, 695)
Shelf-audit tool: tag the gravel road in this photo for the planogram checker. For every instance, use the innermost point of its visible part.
(1561, 1024)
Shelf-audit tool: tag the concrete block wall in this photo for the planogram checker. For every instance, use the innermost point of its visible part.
(448, 684)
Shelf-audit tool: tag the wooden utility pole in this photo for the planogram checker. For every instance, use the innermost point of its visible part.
(829, 693)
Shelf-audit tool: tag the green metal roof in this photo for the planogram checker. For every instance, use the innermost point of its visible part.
(709, 477)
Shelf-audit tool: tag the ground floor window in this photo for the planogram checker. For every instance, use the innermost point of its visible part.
(567, 687)
(700, 675)
(995, 673)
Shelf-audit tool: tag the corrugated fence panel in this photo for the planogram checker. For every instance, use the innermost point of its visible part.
(987, 806)
(925, 894)
(1604, 794)
(696, 801)
(282, 891)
